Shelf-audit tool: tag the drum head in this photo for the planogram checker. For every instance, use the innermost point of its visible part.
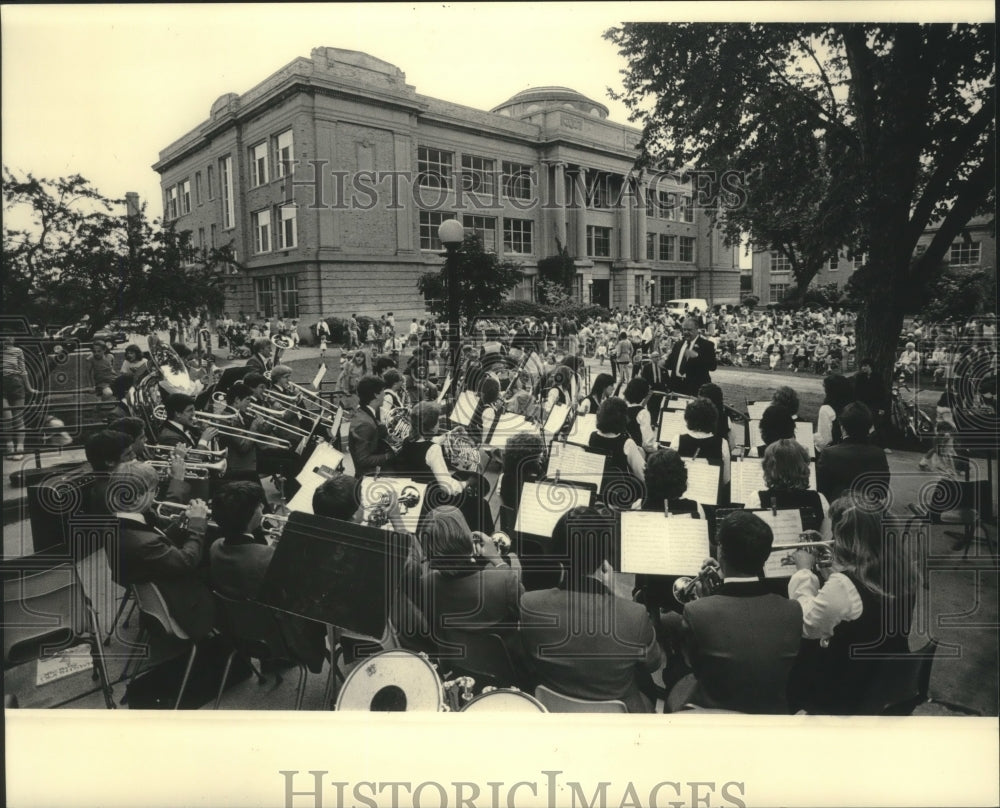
(392, 681)
(504, 701)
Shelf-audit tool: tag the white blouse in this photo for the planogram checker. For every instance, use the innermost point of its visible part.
(824, 609)
(824, 427)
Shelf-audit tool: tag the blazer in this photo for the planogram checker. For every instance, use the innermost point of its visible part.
(694, 372)
(172, 436)
(237, 566)
(242, 454)
(367, 443)
(570, 650)
(849, 464)
(144, 554)
(741, 644)
(257, 364)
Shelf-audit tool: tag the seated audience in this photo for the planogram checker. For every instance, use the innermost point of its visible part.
(581, 639)
(741, 641)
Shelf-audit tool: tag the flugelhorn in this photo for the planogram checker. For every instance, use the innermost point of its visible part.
(705, 583)
(192, 471)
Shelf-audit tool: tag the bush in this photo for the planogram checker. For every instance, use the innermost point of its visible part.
(750, 301)
(525, 308)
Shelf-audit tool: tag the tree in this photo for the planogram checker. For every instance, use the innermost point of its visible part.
(873, 131)
(483, 279)
(556, 274)
(66, 254)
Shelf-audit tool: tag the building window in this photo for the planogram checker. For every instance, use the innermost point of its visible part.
(598, 241)
(260, 221)
(687, 287)
(652, 209)
(668, 205)
(650, 246)
(964, 254)
(485, 227)
(517, 236)
(779, 262)
(833, 264)
(434, 167)
(430, 221)
(226, 182)
(201, 240)
(186, 196)
(264, 289)
(639, 280)
(686, 249)
(600, 191)
(685, 211)
(211, 234)
(857, 263)
(516, 181)
(197, 188)
(286, 237)
(258, 165)
(210, 177)
(667, 288)
(667, 249)
(288, 296)
(746, 286)
(777, 292)
(284, 154)
(478, 174)
(171, 205)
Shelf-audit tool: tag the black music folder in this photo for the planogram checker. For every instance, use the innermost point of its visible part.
(336, 572)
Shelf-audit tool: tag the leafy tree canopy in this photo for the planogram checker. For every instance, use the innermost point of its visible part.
(66, 253)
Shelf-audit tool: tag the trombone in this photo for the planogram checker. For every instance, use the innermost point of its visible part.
(158, 452)
(192, 471)
(265, 441)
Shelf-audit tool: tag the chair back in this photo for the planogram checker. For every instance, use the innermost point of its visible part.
(482, 656)
(44, 608)
(900, 685)
(151, 603)
(559, 703)
(251, 626)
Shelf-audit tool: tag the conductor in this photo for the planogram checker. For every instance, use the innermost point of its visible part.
(691, 360)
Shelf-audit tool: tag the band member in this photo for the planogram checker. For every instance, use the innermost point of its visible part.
(257, 383)
(655, 372)
(691, 359)
(241, 458)
(368, 439)
(180, 427)
(261, 350)
(395, 393)
(487, 410)
(640, 425)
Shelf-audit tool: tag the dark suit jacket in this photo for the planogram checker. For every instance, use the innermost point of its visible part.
(850, 464)
(144, 554)
(571, 650)
(257, 365)
(237, 568)
(663, 386)
(695, 372)
(367, 443)
(171, 436)
(242, 454)
(741, 644)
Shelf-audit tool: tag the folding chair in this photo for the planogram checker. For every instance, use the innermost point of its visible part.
(484, 657)
(46, 609)
(559, 703)
(900, 685)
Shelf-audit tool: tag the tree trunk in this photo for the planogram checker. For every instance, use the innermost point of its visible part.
(877, 330)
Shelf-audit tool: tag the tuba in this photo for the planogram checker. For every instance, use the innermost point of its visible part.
(168, 375)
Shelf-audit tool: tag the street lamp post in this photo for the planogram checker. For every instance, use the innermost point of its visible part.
(451, 234)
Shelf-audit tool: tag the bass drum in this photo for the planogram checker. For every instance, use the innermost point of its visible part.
(506, 700)
(396, 681)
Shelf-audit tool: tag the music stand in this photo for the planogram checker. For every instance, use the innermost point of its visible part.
(335, 572)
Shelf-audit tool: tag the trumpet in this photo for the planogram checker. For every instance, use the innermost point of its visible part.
(273, 525)
(169, 510)
(192, 471)
(265, 441)
(820, 549)
(157, 452)
(705, 583)
(378, 514)
(500, 540)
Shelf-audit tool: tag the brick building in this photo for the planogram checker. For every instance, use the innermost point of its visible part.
(974, 249)
(331, 176)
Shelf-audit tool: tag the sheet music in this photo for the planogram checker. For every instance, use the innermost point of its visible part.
(444, 389)
(543, 503)
(319, 376)
(576, 464)
(804, 435)
(372, 489)
(755, 409)
(812, 476)
(755, 438)
(557, 417)
(703, 481)
(747, 477)
(582, 428)
(671, 424)
(659, 545)
(508, 424)
(338, 420)
(323, 455)
(787, 527)
(303, 499)
(465, 406)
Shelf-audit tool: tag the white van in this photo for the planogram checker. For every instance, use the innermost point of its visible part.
(686, 305)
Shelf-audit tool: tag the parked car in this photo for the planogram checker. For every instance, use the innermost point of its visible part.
(686, 305)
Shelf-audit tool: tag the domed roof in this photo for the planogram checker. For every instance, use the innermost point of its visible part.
(539, 97)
